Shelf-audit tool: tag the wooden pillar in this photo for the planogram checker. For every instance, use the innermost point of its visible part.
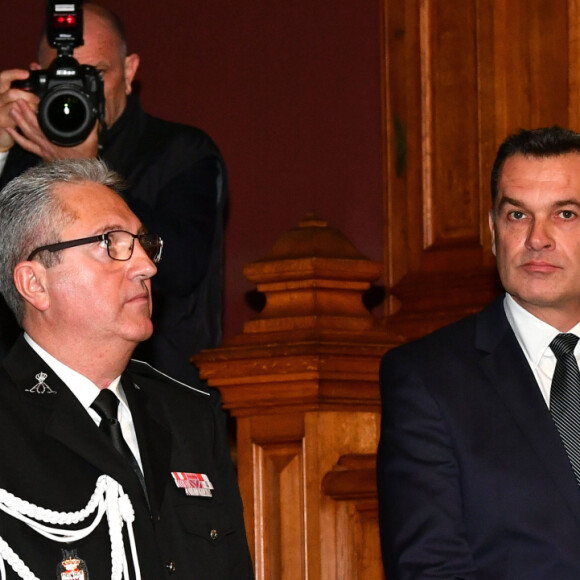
(302, 383)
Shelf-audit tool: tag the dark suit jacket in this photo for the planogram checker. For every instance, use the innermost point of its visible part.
(51, 454)
(473, 478)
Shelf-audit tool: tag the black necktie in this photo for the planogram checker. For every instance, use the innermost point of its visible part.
(565, 397)
(106, 405)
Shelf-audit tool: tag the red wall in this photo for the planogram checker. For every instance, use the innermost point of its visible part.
(290, 91)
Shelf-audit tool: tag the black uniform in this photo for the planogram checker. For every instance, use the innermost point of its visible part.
(53, 453)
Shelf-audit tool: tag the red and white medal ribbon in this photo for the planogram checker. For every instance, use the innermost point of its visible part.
(193, 483)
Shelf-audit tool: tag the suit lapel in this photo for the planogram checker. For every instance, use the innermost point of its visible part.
(510, 374)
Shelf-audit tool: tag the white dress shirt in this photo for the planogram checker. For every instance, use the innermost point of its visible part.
(86, 392)
(535, 337)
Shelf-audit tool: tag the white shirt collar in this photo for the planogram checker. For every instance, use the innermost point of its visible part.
(533, 334)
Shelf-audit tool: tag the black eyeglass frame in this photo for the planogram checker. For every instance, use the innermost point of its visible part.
(104, 238)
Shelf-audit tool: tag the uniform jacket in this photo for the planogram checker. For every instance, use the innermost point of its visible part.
(176, 181)
(52, 454)
(474, 482)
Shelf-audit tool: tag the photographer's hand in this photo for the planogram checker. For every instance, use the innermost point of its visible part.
(31, 138)
(9, 99)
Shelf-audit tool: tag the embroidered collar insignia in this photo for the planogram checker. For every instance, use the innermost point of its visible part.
(41, 388)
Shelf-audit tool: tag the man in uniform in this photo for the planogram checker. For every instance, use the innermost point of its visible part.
(80, 419)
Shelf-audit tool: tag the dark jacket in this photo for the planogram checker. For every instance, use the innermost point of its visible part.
(52, 454)
(474, 482)
(177, 187)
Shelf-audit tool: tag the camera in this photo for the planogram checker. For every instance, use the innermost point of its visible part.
(72, 96)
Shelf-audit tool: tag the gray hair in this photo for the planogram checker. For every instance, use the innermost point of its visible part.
(31, 215)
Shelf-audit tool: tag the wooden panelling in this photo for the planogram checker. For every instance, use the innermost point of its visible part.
(352, 485)
(449, 93)
(574, 64)
(301, 382)
(279, 471)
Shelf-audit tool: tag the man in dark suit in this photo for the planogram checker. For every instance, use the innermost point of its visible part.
(475, 471)
(141, 480)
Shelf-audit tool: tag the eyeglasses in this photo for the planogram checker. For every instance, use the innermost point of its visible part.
(119, 245)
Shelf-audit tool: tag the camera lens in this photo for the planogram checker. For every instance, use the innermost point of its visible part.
(66, 112)
(66, 116)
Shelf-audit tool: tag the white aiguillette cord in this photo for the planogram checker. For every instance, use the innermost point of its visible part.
(108, 498)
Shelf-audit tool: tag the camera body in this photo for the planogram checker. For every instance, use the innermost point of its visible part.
(72, 96)
(71, 100)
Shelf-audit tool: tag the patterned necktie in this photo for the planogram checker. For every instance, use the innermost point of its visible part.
(565, 397)
(106, 405)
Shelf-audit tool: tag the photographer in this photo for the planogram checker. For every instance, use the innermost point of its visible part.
(176, 186)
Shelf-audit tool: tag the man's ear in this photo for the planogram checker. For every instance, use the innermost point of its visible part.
(30, 281)
(131, 65)
(492, 230)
